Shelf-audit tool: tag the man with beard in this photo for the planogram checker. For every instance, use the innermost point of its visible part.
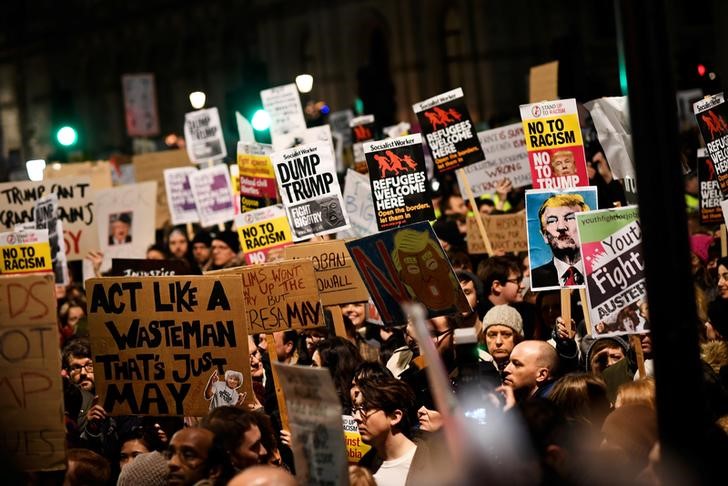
(558, 227)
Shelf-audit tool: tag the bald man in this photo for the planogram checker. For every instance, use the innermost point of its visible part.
(263, 476)
(531, 369)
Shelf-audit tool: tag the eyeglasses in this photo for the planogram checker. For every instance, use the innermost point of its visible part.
(363, 411)
(516, 280)
(76, 368)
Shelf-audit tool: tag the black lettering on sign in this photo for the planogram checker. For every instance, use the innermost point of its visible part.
(151, 395)
(218, 297)
(112, 303)
(184, 297)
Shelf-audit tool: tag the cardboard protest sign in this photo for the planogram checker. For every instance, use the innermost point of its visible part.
(168, 345)
(355, 448)
(314, 414)
(398, 176)
(404, 265)
(711, 114)
(359, 205)
(213, 195)
(336, 276)
(505, 158)
(709, 195)
(138, 267)
(75, 210)
(99, 172)
(150, 167)
(506, 232)
(611, 248)
(553, 240)
(46, 217)
(554, 144)
(261, 231)
(257, 179)
(310, 190)
(125, 222)
(283, 105)
(32, 426)
(203, 136)
(140, 105)
(280, 296)
(449, 131)
(543, 82)
(182, 208)
(25, 251)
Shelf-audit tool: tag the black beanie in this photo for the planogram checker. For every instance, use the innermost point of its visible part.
(229, 238)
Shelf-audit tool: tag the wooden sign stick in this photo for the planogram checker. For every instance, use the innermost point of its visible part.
(723, 241)
(271, 346)
(634, 340)
(190, 232)
(474, 206)
(585, 309)
(338, 317)
(566, 309)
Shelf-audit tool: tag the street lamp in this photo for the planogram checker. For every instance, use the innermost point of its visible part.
(197, 99)
(304, 82)
(35, 169)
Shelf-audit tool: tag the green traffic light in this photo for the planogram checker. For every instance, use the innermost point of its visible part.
(66, 136)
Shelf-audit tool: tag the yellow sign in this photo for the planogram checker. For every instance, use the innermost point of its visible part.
(25, 252)
(262, 230)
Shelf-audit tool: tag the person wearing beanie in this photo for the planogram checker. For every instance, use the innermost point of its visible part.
(502, 330)
(225, 248)
(148, 469)
(201, 244)
(601, 353)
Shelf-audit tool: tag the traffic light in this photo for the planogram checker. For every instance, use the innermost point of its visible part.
(67, 136)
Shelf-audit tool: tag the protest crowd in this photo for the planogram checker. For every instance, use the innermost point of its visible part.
(267, 339)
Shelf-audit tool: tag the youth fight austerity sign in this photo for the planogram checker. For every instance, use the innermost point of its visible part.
(554, 144)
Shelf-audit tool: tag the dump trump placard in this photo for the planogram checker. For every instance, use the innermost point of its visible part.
(310, 190)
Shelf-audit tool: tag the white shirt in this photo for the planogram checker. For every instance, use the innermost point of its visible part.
(562, 267)
(394, 472)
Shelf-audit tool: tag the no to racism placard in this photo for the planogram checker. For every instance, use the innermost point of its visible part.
(182, 208)
(611, 247)
(399, 181)
(314, 414)
(261, 231)
(709, 194)
(553, 240)
(163, 345)
(213, 195)
(449, 131)
(310, 190)
(337, 279)
(75, 210)
(505, 158)
(554, 144)
(711, 114)
(32, 423)
(203, 136)
(257, 179)
(404, 265)
(25, 251)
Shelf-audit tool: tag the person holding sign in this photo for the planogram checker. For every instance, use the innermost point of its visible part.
(558, 227)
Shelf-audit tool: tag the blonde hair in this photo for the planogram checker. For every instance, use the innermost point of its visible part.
(561, 200)
(638, 392)
(358, 476)
(234, 374)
